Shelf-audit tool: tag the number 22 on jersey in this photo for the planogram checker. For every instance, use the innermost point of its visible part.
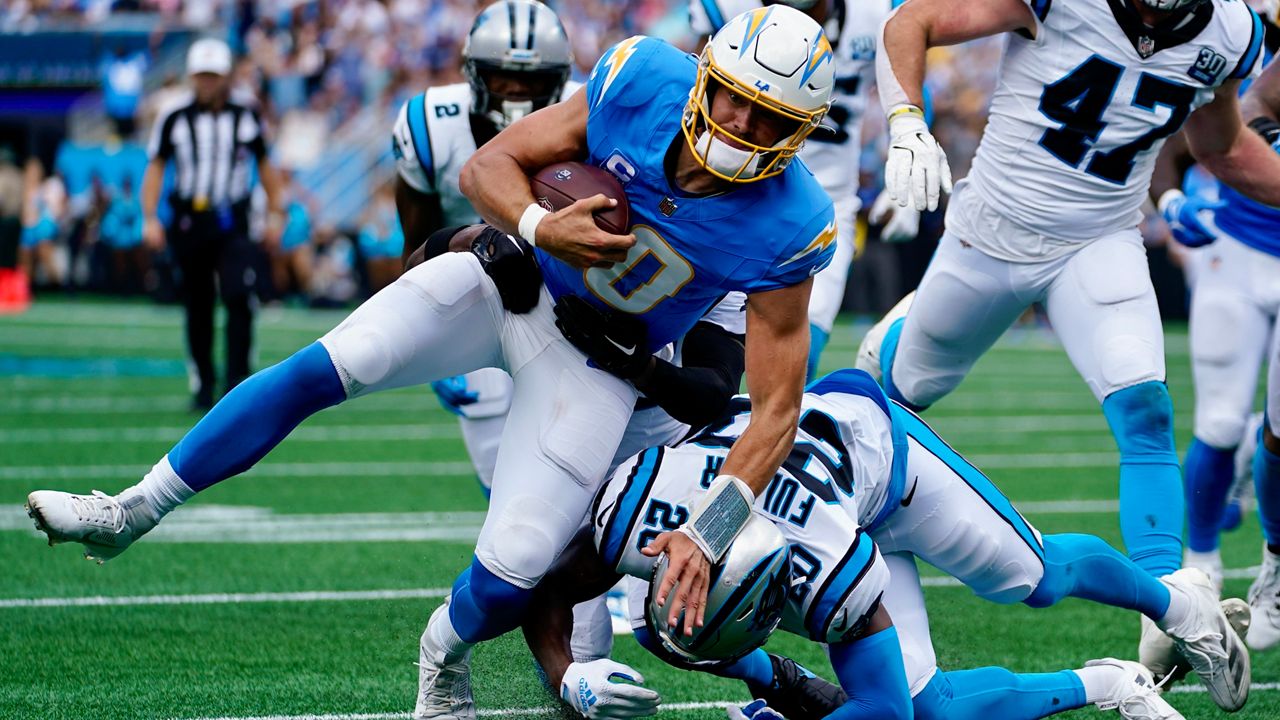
(652, 272)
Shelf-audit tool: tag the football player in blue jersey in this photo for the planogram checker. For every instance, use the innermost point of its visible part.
(867, 489)
(704, 149)
(1234, 309)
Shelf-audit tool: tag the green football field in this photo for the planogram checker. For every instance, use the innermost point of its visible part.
(300, 589)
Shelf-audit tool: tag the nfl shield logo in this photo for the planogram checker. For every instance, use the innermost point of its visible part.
(667, 207)
(564, 174)
(1146, 46)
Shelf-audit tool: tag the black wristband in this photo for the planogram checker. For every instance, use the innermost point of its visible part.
(438, 243)
(1266, 127)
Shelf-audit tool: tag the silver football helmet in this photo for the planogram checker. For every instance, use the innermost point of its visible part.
(744, 602)
(517, 59)
(1168, 5)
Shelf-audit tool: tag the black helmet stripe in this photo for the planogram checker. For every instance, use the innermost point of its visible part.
(533, 24)
(511, 20)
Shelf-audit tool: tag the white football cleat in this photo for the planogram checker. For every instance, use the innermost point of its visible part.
(1208, 562)
(106, 525)
(1264, 600)
(1208, 642)
(444, 689)
(1158, 654)
(1135, 695)
(868, 358)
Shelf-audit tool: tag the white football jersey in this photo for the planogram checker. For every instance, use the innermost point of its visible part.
(432, 140)
(1080, 112)
(836, 476)
(852, 28)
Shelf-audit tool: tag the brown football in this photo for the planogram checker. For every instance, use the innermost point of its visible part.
(557, 186)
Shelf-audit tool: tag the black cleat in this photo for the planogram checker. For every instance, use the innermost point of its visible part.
(797, 693)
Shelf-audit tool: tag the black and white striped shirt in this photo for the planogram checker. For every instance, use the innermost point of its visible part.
(211, 150)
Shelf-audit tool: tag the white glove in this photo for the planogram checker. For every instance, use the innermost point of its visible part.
(901, 224)
(591, 690)
(917, 167)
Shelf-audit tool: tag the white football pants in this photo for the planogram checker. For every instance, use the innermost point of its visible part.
(444, 318)
(1099, 299)
(828, 285)
(1234, 306)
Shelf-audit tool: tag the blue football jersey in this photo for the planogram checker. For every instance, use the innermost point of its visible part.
(690, 250)
(1249, 221)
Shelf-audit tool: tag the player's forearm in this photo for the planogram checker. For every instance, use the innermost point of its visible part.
(1248, 165)
(1171, 165)
(900, 60)
(759, 452)
(498, 189)
(272, 186)
(548, 630)
(1263, 96)
(152, 179)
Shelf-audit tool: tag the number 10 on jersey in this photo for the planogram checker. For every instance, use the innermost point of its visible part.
(652, 272)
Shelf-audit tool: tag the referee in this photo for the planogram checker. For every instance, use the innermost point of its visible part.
(211, 142)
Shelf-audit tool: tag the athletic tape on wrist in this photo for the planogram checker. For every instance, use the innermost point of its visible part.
(723, 513)
(528, 225)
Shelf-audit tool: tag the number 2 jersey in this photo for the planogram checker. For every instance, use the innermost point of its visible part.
(1080, 112)
(844, 476)
(690, 250)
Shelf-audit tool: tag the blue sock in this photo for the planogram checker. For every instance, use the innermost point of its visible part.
(878, 655)
(754, 667)
(1209, 472)
(1084, 566)
(254, 417)
(1151, 499)
(993, 692)
(1266, 479)
(484, 606)
(817, 343)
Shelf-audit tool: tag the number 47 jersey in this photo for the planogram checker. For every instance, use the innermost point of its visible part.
(1080, 112)
(690, 250)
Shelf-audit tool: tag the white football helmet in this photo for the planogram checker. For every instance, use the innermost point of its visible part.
(776, 57)
(520, 37)
(744, 602)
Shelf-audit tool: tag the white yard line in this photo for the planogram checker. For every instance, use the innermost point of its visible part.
(353, 470)
(306, 433)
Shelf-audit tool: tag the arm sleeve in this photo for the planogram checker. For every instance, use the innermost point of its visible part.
(697, 393)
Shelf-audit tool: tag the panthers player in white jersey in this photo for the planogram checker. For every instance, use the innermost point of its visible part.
(867, 490)
(517, 60)
(1088, 90)
(833, 155)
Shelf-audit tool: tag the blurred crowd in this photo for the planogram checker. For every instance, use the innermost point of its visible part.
(313, 68)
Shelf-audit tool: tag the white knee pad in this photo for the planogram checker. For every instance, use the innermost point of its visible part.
(518, 545)
(1218, 428)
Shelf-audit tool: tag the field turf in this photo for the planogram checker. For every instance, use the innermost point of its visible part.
(301, 588)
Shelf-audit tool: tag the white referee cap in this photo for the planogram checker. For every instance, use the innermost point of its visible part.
(209, 55)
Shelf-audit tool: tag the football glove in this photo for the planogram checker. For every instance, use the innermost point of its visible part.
(901, 224)
(1187, 216)
(510, 262)
(754, 710)
(453, 393)
(594, 690)
(616, 342)
(796, 692)
(916, 171)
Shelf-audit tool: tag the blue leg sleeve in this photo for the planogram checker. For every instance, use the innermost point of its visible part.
(817, 343)
(1151, 499)
(871, 671)
(1266, 479)
(994, 692)
(254, 417)
(1209, 473)
(484, 606)
(754, 667)
(1084, 566)
(888, 350)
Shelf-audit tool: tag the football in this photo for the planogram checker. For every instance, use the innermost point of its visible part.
(557, 186)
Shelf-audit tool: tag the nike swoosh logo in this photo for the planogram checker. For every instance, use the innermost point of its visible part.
(623, 348)
(906, 499)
